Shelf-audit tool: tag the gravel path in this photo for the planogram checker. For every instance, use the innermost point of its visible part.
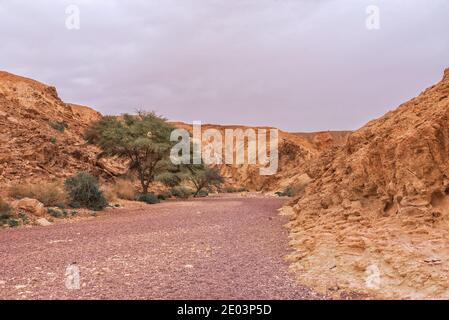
(214, 248)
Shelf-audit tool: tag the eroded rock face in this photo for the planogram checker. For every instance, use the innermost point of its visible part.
(296, 151)
(40, 135)
(381, 202)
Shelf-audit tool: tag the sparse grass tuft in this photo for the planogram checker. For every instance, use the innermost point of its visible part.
(125, 190)
(51, 194)
(121, 189)
(109, 193)
(233, 190)
(181, 192)
(164, 195)
(58, 125)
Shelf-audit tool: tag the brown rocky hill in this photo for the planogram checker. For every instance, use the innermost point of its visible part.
(376, 217)
(41, 137)
(296, 151)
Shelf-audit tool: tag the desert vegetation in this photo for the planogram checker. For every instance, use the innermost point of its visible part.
(51, 194)
(59, 125)
(204, 178)
(5, 211)
(84, 192)
(181, 192)
(142, 143)
(143, 140)
(148, 198)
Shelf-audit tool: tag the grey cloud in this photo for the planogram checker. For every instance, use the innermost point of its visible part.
(298, 65)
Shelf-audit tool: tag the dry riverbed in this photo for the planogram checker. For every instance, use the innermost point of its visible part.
(227, 247)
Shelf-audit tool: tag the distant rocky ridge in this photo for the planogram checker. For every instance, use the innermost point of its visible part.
(296, 151)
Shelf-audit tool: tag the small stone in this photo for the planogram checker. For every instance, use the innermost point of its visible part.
(20, 286)
(43, 222)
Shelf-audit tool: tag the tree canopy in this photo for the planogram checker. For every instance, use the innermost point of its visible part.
(143, 139)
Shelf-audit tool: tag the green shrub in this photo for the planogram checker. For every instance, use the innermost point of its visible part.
(53, 140)
(23, 216)
(4, 218)
(169, 179)
(55, 213)
(164, 195)
(5, 212)
(76, 205)
(148, 198)
(58, 125)
(83, 191)
(181, 192)
(13, 223)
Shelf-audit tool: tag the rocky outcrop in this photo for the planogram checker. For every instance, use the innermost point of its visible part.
(32, 206)
(376, 217)
(296, 151)
(41, 137)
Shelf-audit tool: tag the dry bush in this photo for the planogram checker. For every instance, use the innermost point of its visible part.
(20, 191)
(5, 208)
(110, 193)
(124, 189)
(121, 189)
(84, 192)
(51, 194)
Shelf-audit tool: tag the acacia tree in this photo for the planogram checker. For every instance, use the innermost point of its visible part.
(143, 139)
(203, 177)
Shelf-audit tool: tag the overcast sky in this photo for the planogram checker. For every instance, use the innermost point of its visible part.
(301, 65)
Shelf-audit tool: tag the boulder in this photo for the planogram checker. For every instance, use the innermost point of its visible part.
(31, 206)
(43, 222)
